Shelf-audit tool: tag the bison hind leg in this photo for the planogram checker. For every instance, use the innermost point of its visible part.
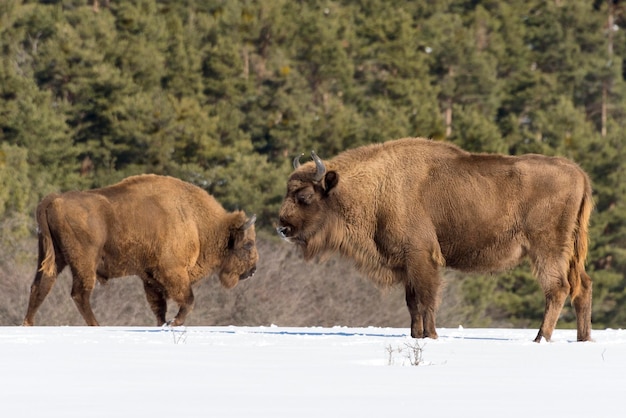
(42, 284)
(582, 305)
(555, 285)
(555, 300)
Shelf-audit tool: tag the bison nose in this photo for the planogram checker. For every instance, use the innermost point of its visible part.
(283, 231)
(248, 274)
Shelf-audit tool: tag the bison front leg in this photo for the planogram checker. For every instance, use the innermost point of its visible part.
(422, 290)
(178, 288)
(186, 305)
(422, 283)
(157, 299)
(417, 320)
(422, 311)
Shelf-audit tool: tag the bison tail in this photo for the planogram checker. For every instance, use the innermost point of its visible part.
(581, 241)
(47, 260)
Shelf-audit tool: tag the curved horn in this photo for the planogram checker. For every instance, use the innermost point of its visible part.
(249, 222)
(296, 161)
(321, 168)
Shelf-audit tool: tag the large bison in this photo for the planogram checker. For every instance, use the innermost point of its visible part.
(405, 209)
(168, 232)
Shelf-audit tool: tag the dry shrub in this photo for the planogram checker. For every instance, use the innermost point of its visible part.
(285, 291)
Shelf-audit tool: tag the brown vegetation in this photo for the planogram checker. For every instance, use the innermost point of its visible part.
(284, 291)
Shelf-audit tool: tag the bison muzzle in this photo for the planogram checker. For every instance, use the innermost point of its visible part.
(168, 232)
(405, 209)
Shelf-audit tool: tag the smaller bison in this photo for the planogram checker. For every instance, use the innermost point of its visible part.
(168, 232)
(405, 209)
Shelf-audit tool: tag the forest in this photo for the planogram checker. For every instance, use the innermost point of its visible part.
(224, 93)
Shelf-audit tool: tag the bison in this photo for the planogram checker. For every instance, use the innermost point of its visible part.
(168, 232)
(405, 209)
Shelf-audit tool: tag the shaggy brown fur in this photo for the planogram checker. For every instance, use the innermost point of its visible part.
(166, 231)
(404, 209)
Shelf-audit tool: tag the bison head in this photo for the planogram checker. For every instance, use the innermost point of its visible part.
(305, 209)
(241, 256)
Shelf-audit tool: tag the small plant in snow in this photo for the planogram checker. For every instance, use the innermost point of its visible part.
(179, 334)
(413, 352)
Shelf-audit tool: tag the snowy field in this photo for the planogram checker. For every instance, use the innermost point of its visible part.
(307, 372)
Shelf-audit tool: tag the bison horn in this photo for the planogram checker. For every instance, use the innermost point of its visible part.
(296, 161)
(249, 222)
(321, 168)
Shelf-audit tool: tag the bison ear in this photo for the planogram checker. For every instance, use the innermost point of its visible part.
(330, 181)
(238, 224)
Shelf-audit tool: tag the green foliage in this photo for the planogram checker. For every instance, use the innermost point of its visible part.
(511, 299)
(225, 93)
(15, 186)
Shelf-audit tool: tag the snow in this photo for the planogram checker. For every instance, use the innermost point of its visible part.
(307, 372)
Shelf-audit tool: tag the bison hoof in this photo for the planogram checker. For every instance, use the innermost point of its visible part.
(422, 335)
(173, 323)
(541, 336)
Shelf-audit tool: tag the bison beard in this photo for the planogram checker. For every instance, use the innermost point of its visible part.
(166, 231)
(405, 209)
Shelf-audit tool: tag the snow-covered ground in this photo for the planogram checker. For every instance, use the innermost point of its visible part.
(307, 372)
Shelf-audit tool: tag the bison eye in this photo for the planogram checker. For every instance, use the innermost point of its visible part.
(248, 245)
(304, 198)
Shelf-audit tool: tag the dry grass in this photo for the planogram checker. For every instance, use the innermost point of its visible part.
(285, 291)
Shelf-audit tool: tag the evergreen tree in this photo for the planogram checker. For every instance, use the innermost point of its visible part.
(32, 120)
(225, 93)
